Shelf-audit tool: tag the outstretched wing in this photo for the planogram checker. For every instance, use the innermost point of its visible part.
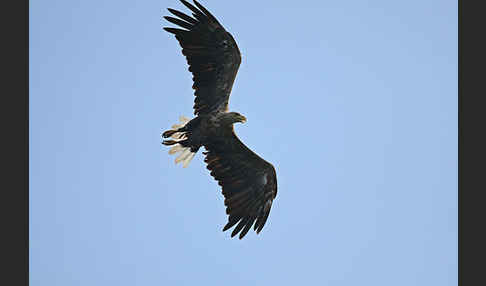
(249, 182)
(212, 55)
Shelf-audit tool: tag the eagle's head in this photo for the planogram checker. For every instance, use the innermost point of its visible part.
(235, 117)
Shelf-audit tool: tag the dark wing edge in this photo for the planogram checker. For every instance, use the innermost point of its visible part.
(249, 183)
(212, 54)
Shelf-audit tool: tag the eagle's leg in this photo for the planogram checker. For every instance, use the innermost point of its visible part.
(169, 133)
(180, 133)
(178, 130)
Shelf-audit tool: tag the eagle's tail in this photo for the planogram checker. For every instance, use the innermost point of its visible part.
(180, 133)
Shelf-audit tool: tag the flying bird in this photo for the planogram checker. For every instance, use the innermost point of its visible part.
(249, 183)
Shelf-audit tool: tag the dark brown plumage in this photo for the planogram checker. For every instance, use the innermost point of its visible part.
(249, 183)
(212, 55)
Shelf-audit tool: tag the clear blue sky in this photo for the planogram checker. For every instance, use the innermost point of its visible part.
(354, 102)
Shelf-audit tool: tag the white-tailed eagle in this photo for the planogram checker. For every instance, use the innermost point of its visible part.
(249, 183)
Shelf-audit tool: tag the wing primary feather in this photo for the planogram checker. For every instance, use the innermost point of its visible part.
(183, 16)
(175, 31)
(263, 221)
(259, 220)
(191, 7)
(179, 22)
(240, 226)
(233, 220)
(205, 11)
(247, 227)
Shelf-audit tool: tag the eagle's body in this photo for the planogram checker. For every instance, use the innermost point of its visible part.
(249, 183)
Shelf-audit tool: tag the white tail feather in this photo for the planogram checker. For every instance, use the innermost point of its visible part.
(183, 155)
(183, 119)
(175, 149)
(186, 161)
